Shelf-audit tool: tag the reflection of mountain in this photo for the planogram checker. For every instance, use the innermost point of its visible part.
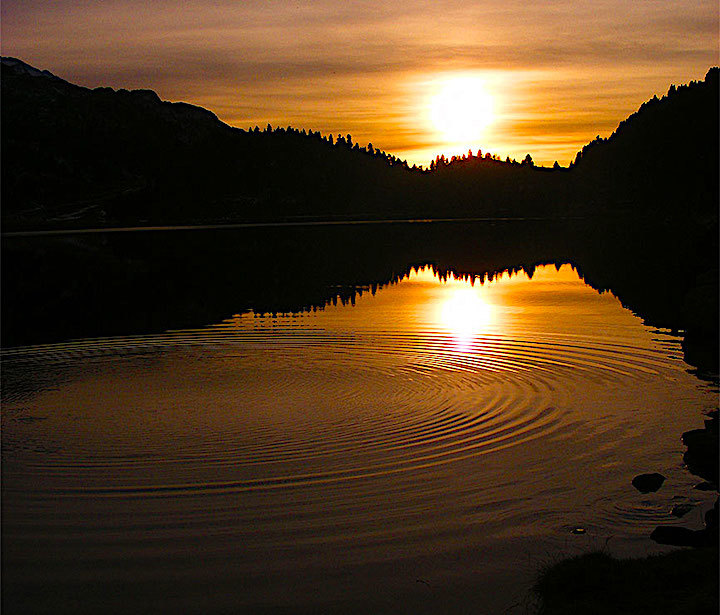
(62, 287)
(76, 156)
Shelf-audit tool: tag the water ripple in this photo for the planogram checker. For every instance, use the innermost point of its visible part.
(361, 404)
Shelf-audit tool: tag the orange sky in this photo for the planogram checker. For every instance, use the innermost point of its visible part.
(559, 72)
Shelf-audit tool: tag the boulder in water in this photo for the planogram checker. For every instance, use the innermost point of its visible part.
(648, 483)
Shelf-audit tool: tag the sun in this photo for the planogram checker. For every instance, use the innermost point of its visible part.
(462, 109)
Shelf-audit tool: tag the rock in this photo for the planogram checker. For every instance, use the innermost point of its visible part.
(579, 530)
(683, 537)
(680, 510)
(706, 486)
(711, 517)
(697, 437)
(702, 463)
(648, 483)
(702, 454)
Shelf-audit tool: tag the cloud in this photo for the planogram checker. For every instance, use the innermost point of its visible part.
(562, 67)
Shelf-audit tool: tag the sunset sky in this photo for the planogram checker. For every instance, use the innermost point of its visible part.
(548, 76)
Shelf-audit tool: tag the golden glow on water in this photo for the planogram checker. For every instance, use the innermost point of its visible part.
(553, 299)
(432, 416)
(465, 313)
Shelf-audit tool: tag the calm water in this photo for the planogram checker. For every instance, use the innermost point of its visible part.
(426, 449)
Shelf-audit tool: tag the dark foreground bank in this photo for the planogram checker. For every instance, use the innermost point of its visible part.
(682, 582)
(679, 583)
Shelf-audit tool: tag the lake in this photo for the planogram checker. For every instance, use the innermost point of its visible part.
(424, 444)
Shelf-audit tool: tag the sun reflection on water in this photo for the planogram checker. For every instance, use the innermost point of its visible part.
(465, 313)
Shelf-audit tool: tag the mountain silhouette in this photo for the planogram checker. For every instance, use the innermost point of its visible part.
(75, 156)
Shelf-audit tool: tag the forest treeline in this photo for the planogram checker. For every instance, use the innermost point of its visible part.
(76, 156)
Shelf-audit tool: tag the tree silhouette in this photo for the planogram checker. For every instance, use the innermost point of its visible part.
(106, 157)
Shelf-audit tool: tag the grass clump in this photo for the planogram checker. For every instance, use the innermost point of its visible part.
(678, 583)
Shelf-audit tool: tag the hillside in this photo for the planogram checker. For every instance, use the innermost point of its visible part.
(663, 157)
(125, 157)
(73, 156)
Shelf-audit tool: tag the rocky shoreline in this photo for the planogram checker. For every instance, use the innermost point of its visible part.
(683, 581)
(701, 459)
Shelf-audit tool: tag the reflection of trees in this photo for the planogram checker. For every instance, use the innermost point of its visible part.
(145, 282)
